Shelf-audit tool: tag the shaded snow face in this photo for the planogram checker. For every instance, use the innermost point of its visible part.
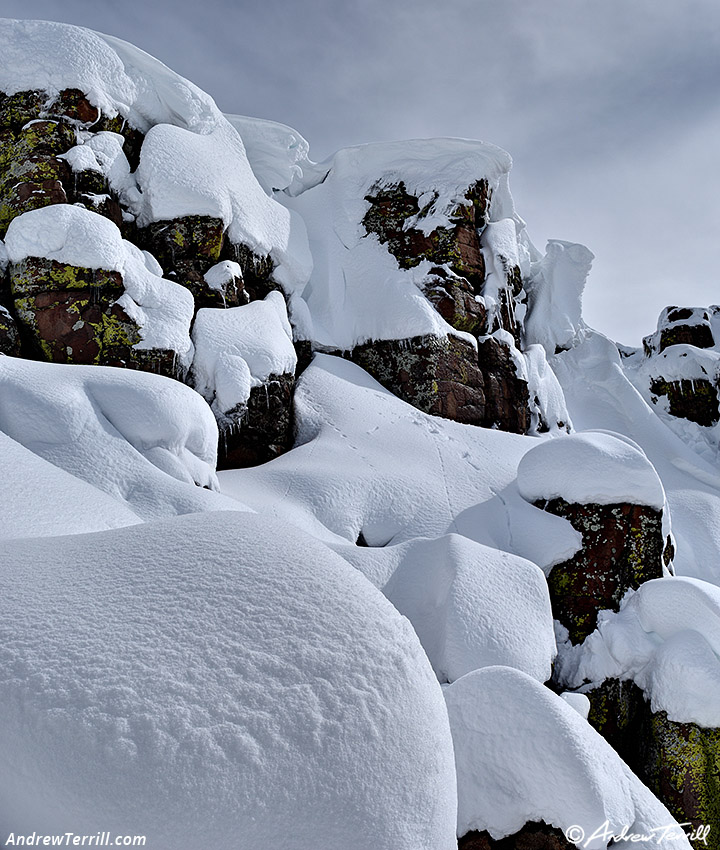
(216, 681)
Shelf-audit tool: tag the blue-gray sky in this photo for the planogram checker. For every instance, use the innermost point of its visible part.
(610, 108)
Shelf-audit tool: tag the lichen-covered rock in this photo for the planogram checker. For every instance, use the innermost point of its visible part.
(261, 429)
(533, 836)
(680, 326)
(623, 546)
(70, 315)
(680, 763)
(695, 400)
(617, 712)
(438, 376)
(391, 209)
(453, 297)
(506, 392)
(257, 271)
(9, 334)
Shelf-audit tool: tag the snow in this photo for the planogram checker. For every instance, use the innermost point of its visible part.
(75, 236)
(367, 462)
(357, 292)
(222, 273)
(499, 245)
(240, 348)
(41, 500)
(215, 680)
(590, 468)
(141, 438)
(524, 754)
(599, 395)
(278, 155)
(472, 606)
(555, 295)
(666, 638)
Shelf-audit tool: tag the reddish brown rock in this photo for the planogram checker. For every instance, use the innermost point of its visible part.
(453, 297)
(696, 401)
(533, 836)
(507, 399)
(437, 375)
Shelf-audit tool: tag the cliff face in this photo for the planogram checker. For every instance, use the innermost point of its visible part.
(397, 381)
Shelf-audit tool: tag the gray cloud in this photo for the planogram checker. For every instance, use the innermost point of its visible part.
(611, 109)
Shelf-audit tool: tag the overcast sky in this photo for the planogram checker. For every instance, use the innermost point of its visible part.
(610, 108)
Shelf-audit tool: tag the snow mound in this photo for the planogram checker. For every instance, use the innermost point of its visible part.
(524, 754)
(70, 234)
(666, 638)
(367, 463)
(143, 439)
(216, 681)
(357, 292)
(41, 500)
(471, 606)
(590, 468)
(240, 348)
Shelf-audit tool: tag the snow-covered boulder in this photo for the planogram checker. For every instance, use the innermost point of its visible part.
(524, 754)
(606, 487)
(215, 681)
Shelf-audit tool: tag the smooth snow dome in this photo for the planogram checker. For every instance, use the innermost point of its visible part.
(70, 234)
(471, 606)
(216, 681)
(590, 468)
(524, 754)
(240, 348)
(666, 638)
(41, 500)
(357, 291)
(139, 437)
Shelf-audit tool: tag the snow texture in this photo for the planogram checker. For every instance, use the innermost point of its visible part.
(524, 754)
(590, 468)
(666, 638)
(215, 681)
(141, 438)
(70, 234)
(240, 348)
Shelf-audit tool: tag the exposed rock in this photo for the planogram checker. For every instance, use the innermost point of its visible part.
(680, 763)
(260, 430)
(623, 546)
(454, 298)
(257, 271)
(436, 375)
(506, 393)
(391, 206)
(695, 400)
(680, 326)
(70, 316)
(533, 836)
(617, 712)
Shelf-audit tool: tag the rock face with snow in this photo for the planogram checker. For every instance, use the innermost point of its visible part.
(410, 417)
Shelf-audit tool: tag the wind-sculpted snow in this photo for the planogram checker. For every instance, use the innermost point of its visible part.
(523, 754)
(666, 638)
(141, 438)
(215, 681)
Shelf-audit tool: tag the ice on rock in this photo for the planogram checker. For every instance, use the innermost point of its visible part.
(143, 439)
(70, 234)
(218, 680)
(666, 638)
(239, 348)
(590, 468)
(524, 754)
(471, 606)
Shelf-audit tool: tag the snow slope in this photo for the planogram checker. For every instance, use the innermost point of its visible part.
(215, 681)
